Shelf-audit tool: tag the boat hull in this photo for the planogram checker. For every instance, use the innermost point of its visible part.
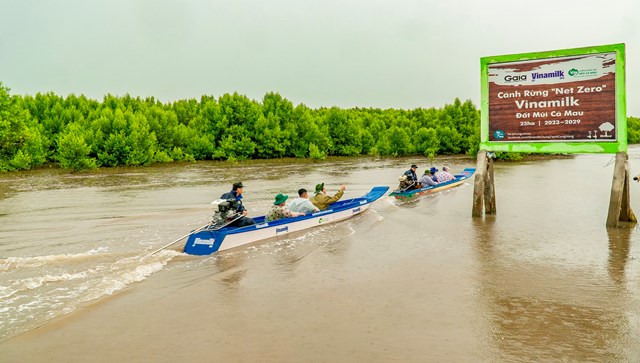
(411, 194)
(207, 242)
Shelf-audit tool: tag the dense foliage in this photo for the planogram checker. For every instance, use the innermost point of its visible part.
(80, 133)
(633, 130)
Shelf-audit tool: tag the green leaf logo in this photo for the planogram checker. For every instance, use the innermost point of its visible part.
(573, 72)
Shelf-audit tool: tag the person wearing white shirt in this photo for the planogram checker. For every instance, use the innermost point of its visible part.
(302, 203)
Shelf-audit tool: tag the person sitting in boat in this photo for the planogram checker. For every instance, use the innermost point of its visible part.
(444, 175)
(411, 174)
(280, 211)
(433, 171)
(427, 179)
(302, 203)
(322, 200)
(236, 193)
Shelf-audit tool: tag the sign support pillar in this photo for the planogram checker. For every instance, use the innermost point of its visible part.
(484, 191)
(620, 201)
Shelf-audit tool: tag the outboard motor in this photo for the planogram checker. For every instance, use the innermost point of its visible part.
(225, 212)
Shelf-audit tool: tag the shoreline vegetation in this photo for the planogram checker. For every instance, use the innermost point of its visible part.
(79, 133)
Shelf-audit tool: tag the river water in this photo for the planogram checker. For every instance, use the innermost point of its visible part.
(544, 280)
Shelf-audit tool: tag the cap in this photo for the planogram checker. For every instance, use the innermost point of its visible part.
(237, 185)
(433, 169)
(414, 166)
(319, 187)
(280, 198)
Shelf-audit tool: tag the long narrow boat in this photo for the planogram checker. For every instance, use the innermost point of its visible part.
(208, 241)
(410, 194)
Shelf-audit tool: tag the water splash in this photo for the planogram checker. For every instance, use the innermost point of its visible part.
(15, 263)
(40, 288)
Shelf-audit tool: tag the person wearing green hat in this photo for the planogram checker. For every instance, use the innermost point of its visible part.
(322, 200)
(427, 179)
(279, 210)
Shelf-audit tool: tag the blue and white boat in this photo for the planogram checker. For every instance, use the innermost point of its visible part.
(210, 240)
(413, 193)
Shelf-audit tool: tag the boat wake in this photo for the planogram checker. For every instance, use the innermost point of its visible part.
(36, 289)
(13, 263)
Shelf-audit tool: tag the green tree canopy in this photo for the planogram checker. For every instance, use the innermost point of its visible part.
(80, 133)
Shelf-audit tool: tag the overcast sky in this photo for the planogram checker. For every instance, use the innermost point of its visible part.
(370, 53)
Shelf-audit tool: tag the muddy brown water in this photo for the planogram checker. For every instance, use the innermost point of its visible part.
(544, 280)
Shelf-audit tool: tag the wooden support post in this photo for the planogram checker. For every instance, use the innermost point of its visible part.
(489, 189)
(620, 201)
(478, 184)
(483, 186)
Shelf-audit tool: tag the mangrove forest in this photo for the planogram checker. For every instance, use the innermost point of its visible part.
(81, 133)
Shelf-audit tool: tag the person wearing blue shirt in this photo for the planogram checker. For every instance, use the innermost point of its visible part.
(236, 193)
(412, 177)
(433, 171)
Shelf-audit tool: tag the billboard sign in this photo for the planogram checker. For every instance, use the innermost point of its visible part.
(566, 101)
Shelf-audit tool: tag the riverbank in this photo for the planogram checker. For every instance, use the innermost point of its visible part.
(440, 159)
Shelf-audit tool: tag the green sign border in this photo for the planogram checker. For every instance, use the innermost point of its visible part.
(557, 147)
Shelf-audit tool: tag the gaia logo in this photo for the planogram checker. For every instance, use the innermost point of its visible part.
(498, 134)
(573, 72)
(515, 78)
